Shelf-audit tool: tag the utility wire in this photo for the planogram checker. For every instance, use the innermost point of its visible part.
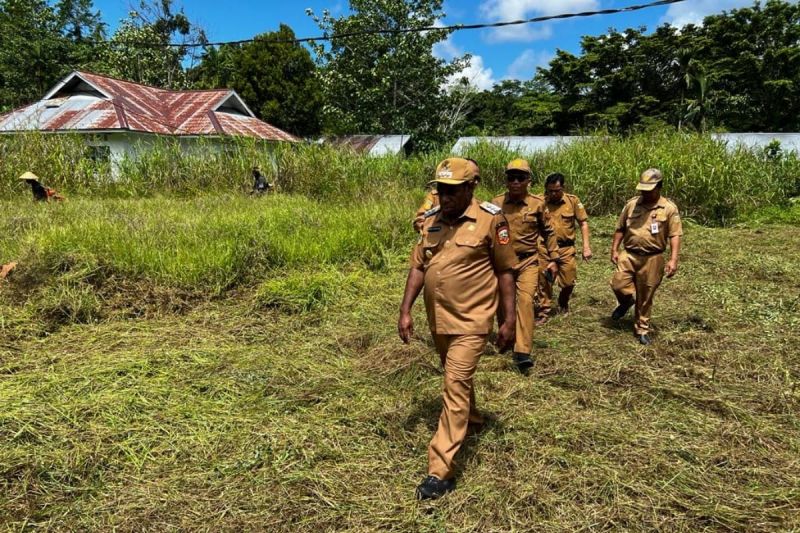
(392, 31)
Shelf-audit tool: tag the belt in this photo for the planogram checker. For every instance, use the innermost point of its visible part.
(525, 255)
(566, 243)
(643, 254)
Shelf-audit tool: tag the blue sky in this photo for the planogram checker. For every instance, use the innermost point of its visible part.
(497, 54)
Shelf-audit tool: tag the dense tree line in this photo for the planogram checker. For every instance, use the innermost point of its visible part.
(738, 71)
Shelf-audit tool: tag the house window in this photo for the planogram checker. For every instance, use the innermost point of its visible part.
(99, 154)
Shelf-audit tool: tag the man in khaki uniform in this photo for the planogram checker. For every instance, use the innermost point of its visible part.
(527, 218)
(566, 210)
(432, 198)
(463, 260)
(644, 227)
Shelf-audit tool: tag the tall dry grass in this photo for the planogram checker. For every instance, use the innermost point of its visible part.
(710, 183)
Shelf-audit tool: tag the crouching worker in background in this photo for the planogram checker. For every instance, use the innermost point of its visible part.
(260, 183)
(40, 192)
(463, 256)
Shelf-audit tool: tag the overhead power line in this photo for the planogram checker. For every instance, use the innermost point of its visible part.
(453, 27)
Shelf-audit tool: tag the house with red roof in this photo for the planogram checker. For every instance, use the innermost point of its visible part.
(121, 118)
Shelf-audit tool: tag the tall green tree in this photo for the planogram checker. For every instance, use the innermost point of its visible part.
(82, 25)
(752, 59)
(40, 43)
(739, 70)
(141, 49)
(389, 82)
(274, 75)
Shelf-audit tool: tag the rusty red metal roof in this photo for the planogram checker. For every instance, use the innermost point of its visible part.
(89, 102)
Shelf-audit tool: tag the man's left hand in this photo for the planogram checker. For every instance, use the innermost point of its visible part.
(671, 268)
(587, 253)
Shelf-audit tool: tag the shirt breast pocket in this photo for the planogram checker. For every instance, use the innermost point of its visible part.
(661, 221)
(430, 245)
(471, 246)
(568, 219)
(635, 220)
(529, 219)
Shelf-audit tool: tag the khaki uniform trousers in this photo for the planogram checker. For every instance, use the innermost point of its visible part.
(638, 276)
(566, 277)
(459, 355)
(526, 275)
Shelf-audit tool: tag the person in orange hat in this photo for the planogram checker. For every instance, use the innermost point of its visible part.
(463, 261)
(40, 192)
(527, 217)
(645, 227)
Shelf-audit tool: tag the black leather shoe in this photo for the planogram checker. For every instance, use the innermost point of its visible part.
(433, 488)
(645, 340)
(523, 361)
(620, 311)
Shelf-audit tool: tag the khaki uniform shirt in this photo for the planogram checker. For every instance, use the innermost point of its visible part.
(460, 264)
(564, 215)
(647, 230)
(431, 200)
(528, 221)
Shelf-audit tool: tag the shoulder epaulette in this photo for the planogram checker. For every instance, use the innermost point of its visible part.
(491, 208)
(432, 211)
(538, 196)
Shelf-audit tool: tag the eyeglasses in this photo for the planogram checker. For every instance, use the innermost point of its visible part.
(553, 191)
(517, 177)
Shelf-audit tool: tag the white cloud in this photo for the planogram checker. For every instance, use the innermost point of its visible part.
(693, 12)
(507, 10)
(477, 75)
(447, 49)
(524, 66)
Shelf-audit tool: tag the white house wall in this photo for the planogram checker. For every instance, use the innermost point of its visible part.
(130, 145)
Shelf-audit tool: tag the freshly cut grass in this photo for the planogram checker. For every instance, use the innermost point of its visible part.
(240, 416)
(303, 290)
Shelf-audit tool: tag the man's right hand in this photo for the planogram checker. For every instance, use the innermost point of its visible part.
(405, 327)
(615, 257)
(418, 223)
(506, 334)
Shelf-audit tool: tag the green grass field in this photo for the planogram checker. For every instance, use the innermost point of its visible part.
(226, 364)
